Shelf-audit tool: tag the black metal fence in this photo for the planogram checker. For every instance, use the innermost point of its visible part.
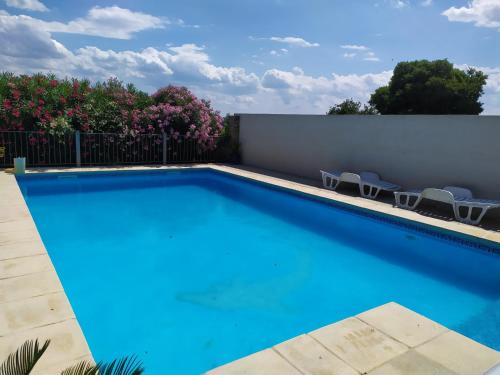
(41, 150)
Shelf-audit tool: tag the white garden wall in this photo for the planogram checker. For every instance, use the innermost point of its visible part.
(412, 151)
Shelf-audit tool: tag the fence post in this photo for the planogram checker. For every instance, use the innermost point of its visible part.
(164, 139)
(77, 147)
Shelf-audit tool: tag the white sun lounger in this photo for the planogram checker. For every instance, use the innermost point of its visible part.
(370, 184)
(460, 198)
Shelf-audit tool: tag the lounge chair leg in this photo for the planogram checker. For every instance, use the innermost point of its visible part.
(330, 183)
(403, 200)
(467, 219)
(371, 193)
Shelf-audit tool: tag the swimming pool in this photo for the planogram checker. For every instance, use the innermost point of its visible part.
(192, 269)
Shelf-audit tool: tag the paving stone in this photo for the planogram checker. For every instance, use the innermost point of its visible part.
(67, 342)
(57, 368)
(25, 265)
(360, 345)
(460, 354)
(14, 213)
(23, 224)
(34, 312)
(36, 284)
(404, 325)
(22, 249)
(13, 238)
(266, 362)
(411, 363)
(311, 358)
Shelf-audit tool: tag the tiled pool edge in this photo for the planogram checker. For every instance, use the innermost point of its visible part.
(389, 339)
(376, 209)
(20, 244)
(33, 304)
(380, 210)
(460, 235)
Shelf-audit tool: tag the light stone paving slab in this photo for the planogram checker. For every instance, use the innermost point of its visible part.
(312, 358)
(32, 301)
(25, 265)
(358, 344)
(34, 312)
(412, 363)
(67, 343)
(24, 225)
(13, 238)
(405, 325)
(59, 367)
(27, 286)
(266, 362)
(362, 346)
(14, 212)
(21, 249)
(460, 354)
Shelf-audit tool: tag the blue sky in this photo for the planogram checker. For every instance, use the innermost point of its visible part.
(287, 56)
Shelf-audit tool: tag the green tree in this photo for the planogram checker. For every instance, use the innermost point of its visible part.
(430, 87)
(351, 107)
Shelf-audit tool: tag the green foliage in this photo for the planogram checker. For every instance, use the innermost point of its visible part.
(430, 87)
(45, 105)
(228, 147)
(351, 107)
(122, 366)
(24, 359)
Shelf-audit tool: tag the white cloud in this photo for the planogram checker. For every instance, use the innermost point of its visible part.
(316, 92)
(34, 5)
(294, 41)
(359, 49)
(280, 52)
(426, 3)
(109, 22)
(370, 56)
(399, 3)
(483, 13)
(354, 47)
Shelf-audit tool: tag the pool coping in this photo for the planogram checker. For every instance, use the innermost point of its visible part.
(33, 303)
(387, 340)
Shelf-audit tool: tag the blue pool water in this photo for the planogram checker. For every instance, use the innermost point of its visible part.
(192, 269)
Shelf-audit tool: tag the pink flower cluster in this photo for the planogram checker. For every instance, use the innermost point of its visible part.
(180, 115)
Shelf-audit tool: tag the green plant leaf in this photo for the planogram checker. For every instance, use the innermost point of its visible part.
(82, 368)
(123, 366)
(24, 359)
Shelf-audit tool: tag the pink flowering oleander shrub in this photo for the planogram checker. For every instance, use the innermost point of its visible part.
(178, 113)
(45, 104)
(41, 102)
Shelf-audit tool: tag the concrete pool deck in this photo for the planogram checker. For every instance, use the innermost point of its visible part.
(33, 303)
(387, 340)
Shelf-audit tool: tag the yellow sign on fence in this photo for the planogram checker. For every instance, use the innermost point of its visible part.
(2, 152)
